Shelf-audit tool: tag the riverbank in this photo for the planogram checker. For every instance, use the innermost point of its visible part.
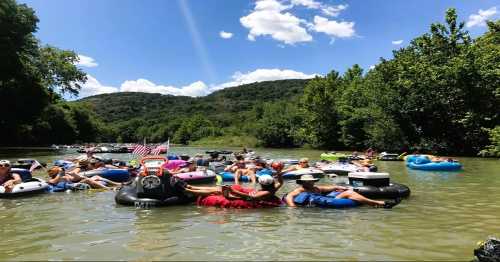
(227, 141)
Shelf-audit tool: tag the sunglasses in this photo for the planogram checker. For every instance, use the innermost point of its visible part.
(4, 165)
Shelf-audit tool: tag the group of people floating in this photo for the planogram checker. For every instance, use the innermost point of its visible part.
(269, 183)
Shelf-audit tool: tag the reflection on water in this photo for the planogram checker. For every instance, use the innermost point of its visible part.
(447, 213)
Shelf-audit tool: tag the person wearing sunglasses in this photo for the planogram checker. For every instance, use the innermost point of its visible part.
(8, 179)
(303, 163)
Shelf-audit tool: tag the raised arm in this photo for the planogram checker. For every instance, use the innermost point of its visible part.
(280, 182)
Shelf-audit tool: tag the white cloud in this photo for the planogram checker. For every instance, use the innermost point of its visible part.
(94, 87)
(372, 67)
(225, 35)
(268, 19)
(397, 42)
(307, 3)
(198, 88)
(480, 18)
(86, 61)
(333, 28)
(333, 10)
(329, 10)
(142, 85)
(260, 75)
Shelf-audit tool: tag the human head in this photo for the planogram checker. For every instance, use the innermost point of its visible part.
(261, 163)
(83, 163)
(307, 181)
(4, 165)
(53, 171)
(304, 162)
(93, 163)
(239, 157)
(266, 181)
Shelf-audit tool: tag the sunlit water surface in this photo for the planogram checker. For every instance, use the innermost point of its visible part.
(445, 216)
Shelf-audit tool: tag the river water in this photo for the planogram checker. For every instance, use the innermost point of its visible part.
(445, 216)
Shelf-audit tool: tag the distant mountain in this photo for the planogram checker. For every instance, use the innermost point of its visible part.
(117, 107)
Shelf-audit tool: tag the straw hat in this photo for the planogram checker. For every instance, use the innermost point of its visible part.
(305, 178)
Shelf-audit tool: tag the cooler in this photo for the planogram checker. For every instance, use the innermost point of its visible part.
(368, 179)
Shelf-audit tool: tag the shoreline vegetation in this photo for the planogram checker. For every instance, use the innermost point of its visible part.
(439, 94)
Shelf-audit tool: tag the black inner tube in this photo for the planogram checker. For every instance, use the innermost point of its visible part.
(394, 190)
(172, 195)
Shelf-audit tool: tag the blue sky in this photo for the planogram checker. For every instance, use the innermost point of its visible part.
(193, 47)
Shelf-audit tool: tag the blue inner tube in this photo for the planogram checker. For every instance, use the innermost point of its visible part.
(435, 166)
(116, 175)
(229, 176)
(328, 201)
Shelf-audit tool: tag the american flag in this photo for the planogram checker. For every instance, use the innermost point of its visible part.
(34, 165)
(141, 150)
(156, 151)
(162, 148)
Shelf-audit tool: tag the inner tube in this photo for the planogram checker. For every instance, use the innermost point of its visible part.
(25, 174)
(113, 174)
(384, 156)
(328, 201)
(222, 202)
(436, 166)
(339, 168)
(392, 191)
(229, 176)
(332, 156)
(172, 195)
(488, 251)
(197, 177)
(29, 186)
(65, 186)
(316, 173)
(173, 164)
(413, 158)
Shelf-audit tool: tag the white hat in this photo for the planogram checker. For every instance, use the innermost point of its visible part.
(266, 180)
(307, 178)
(4, 162)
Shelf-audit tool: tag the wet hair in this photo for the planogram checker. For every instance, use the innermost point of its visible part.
(269, 187)
(53, 171)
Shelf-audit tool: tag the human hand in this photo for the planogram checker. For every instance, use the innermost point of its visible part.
(9, 184)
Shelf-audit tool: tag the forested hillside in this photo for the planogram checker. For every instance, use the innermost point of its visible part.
(232, 111)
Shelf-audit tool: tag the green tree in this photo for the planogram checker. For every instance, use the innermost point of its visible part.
(29, 74)
(318, 103)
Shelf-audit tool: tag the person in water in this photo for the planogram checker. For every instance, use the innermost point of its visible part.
(303, 163)
(239, 168)
(59, 178)
(8, 179)
(307, 183)
(268, 188)
(370, 153)
(189, 166)
(366, 165)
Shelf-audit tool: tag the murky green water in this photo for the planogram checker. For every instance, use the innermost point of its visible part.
(443, 219)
